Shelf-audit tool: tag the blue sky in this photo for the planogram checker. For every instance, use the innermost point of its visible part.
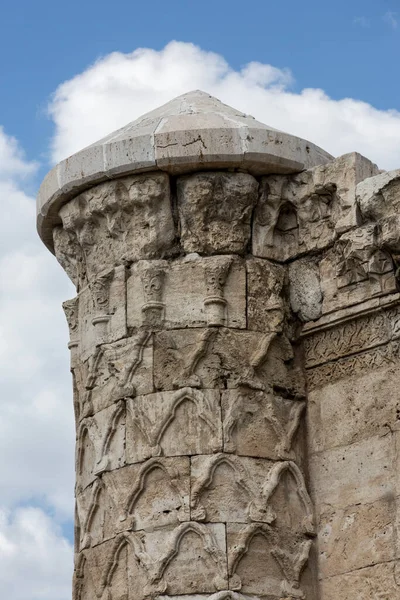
(71, 73)
(348, 48)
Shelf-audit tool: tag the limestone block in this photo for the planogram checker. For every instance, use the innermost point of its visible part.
(379, 196)
(100, 444)
(184, 422)
(192, 292)
(305, 289)
(226, 358)
(228, 488)
(355, 537)
(190, 558)
(362, 472)
(260, 560)
(355, 269)
(262, 424)
(353, 409)
(151, 495)
(377, 581)
(265, 308)
(306, 212)
(121, 221)
(119, 370)
(215, 211)
(97, 515)
(117, 568)
(102, 312)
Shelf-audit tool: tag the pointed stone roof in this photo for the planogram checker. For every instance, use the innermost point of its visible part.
(192, 132)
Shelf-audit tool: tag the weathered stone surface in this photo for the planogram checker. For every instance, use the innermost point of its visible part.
(257, 563)
(226, 358)
(308, 211)
(356, 269)
(362, 472)
(235, 341)
(119, 370)
(262, 424)
(100, 444)
(116, 223)
(265, 303)
(355, 537)
(194, 292)
(305, 289)
(377, 581)
(215, 211)
(184, 422)
(145, 496)
(354, 409)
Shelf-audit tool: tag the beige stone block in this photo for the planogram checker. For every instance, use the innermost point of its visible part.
(355, 269)
(190, 559)
(184, 422)
(359, 473)
(371, 583)
(118, 568)
(305, 288)
(229, 488)
(102, 311)
(262, 424)
(305, 212)
(226, 358)
(192, 292)
(150, 495)
(353, 409)
(119, 370)
(260, 560)
(215, 211)
(121, 221)
(97, 515)
(265, 309)
(100, 444)
(355, 537)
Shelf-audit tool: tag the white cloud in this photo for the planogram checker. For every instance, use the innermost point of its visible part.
(120, 87)
(36, 413)
(37, 444)
(391, 19)
(35, 559)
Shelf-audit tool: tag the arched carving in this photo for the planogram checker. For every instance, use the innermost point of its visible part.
(86, 516)
(103, 461)
(210, 547)
(86, 448)
(272, 483)
(149, 466)
(249, 402)
(256, 509)
(243, 544)
(153, 431)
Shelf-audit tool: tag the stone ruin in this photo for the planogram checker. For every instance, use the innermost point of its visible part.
(235, 345)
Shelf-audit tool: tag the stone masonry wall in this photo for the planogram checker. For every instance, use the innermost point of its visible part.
(234, 344)
(189, 395)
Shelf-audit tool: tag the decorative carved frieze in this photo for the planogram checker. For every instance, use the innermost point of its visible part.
(352, 337)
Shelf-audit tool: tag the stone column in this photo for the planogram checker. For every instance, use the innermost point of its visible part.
(206, 267)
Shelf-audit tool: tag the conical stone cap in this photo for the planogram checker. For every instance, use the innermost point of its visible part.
(192, 132)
